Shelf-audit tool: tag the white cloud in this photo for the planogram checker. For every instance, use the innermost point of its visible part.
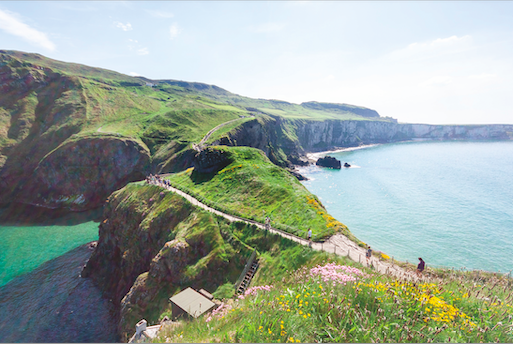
(10, 24)
(160, 14)
(124, 27)
(439, 46)
(134, 74)
(174, 30)
(267, 28)
(439, 43)
(143, 51)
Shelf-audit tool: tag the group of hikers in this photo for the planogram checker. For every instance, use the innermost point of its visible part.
(157, 180)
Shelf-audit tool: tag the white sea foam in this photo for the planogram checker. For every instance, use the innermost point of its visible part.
(317, 155)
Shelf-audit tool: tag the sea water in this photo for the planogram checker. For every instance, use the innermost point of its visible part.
(42, 296)
(449, 202)
(24, 248)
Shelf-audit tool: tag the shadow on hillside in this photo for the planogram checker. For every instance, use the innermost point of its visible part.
(200, 178)
(17, 214)
(53, 304)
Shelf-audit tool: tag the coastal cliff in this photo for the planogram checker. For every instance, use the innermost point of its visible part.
(46, 158)
(287, 141)
(72, 134)
(152, 244)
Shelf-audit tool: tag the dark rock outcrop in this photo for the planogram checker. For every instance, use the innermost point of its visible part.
(80, 174)
(298, 175)
(210, 160)
(329, 161)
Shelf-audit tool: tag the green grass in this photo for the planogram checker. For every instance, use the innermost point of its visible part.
(227, 129)
(303, 307)
(76, 99)
(252, 187)
(219, 106)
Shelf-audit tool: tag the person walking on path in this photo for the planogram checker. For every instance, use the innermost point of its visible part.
(368, 255)
(420, 267)
(309, 237)
(267, 223)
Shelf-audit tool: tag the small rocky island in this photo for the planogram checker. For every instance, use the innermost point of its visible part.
(329, 161)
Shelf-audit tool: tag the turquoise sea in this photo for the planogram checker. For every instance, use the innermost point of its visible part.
(42, 296)
(449, 202)
(24, 248)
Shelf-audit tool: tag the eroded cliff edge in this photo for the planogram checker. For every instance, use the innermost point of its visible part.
(286, 141)
(152, 244)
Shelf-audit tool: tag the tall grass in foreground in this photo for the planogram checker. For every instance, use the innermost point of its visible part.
(336, 303)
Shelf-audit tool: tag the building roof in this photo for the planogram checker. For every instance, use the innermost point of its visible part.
(192, 302)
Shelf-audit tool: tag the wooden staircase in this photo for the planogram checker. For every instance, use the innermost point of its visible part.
(248, 277)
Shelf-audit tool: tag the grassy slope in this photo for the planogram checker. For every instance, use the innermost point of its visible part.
(301, 307)
(465, 307)
(253, 187)
(167, 117)
(225, 247)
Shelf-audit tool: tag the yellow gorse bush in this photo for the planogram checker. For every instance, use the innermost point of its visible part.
(427, 297)
(331, 222)
(231, 169)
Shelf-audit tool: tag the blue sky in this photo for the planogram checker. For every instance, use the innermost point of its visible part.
(420, 62)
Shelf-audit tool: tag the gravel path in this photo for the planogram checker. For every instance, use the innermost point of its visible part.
(338, 244)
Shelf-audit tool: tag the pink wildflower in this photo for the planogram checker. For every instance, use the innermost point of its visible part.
(255, 290)
(336, 273)
(218, 312)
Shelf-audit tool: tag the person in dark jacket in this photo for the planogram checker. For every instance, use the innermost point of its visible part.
(420, 267)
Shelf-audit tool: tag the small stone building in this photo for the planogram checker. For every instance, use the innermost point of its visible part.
(189, 302)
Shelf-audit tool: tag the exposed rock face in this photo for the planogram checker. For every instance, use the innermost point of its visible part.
(270, 135)
(326, 135)
(41, 162)
(294, 137)
(80, 174)
(210, 160)
(298, 175)
(329, 161)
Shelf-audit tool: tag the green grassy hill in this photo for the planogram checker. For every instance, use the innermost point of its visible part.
(67, 127)
(252, 187)
(45, 104)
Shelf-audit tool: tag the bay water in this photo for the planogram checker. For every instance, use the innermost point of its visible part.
(42, 296)
(449, 202)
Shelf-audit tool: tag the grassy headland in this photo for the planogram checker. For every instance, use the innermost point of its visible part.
(252, 187)
(300, 295)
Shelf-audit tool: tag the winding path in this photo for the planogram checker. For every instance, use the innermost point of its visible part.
(338, 244)
(200, 146)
